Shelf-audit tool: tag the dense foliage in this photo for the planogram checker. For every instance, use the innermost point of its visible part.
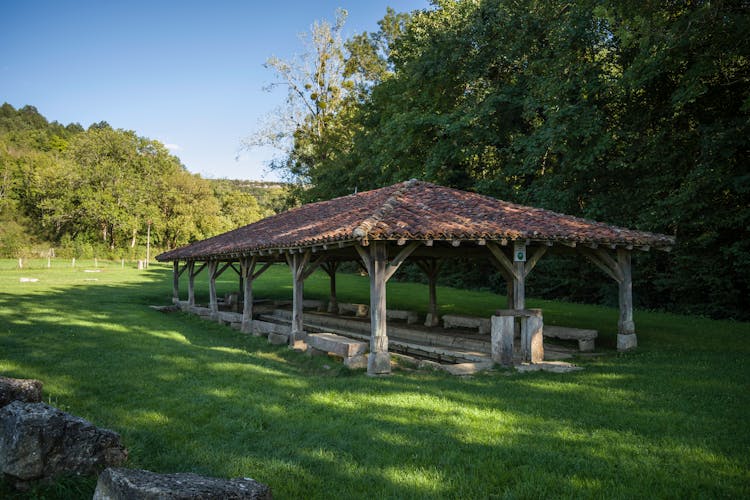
(94, 192)
(633, 113)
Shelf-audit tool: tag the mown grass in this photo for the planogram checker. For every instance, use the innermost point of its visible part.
(669, 420)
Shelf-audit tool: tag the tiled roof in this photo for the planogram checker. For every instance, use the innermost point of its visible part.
(412, 210)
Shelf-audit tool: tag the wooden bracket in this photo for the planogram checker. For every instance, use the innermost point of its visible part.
(503, 260)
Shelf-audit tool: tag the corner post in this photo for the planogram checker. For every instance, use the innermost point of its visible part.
(379, 360)
(176, 282)
(626, 337)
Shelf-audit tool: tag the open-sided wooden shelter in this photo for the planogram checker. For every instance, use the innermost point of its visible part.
(421, 222)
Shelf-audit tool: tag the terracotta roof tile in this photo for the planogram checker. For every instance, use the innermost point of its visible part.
(412, 210)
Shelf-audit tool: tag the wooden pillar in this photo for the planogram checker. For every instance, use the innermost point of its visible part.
(191, 283)
(626, 337)
(247, 267)
(330, 269)
(519, 276)
(214, 303)
(431, 268)
(297, 265)
(379, 360)
(176, 282)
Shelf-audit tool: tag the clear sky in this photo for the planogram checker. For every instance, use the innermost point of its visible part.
(187, 73)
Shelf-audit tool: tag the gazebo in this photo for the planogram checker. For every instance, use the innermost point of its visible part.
(417, 221)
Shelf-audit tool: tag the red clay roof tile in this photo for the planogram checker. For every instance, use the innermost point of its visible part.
(411, 210)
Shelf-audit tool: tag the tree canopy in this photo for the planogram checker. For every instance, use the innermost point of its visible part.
(97, 190)
(633, 113)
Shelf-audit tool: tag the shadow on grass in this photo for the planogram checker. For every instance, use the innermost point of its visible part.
(190, 395)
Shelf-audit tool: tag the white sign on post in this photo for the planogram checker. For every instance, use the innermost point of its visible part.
(519, 251)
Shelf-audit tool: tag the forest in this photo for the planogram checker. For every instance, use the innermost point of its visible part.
(95, 192)
(631, 113)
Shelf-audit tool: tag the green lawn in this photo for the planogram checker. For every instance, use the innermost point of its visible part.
(669, 420)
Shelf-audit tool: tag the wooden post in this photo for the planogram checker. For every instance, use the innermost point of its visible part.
(297, 265)
(431, 268)
(379, 360)
(191, 283)
(247, 266)
(214, 303)
(330, 269)
(176, 282)
(626, 337)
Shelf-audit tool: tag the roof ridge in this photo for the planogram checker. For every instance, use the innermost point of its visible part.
(364, 227)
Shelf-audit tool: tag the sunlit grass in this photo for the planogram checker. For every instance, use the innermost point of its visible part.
(190, 395)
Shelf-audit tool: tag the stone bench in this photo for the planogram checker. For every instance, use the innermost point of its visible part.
(125, 484)
(359, 310)
(410, 317)
(483, 325)
(353, 351)
(318, 305)
(585, 338)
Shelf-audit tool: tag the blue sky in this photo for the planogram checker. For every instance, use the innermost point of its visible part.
(187, 73)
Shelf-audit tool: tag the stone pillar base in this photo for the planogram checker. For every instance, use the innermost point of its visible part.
(431, 320)
(626, 342)
(379, 363)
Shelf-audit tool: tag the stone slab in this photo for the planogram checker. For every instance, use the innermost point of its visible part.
(277, 338)
(359, 310)
(411, 317)
(549, 366)
(337, 344)
(459, 321)
(586, 338)
(131, 484)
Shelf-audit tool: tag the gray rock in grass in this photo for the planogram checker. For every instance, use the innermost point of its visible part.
(18, 389)
(131, 484)
(39, 442)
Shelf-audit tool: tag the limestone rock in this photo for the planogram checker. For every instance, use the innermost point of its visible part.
(38, 441)
(16, 389)
(127, 484)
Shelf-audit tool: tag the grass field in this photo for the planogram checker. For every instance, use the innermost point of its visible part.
(668, 421)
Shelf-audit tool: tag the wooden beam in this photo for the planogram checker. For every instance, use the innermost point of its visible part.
(502, 259)
(596, 258)
(201, 268)
(532, 262)
(223, 268)
(313, 266)
(364, 256)
(400, 258)
(261, 270)
(183, 268)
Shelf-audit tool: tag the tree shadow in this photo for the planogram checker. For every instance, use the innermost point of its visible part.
(193, 395)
